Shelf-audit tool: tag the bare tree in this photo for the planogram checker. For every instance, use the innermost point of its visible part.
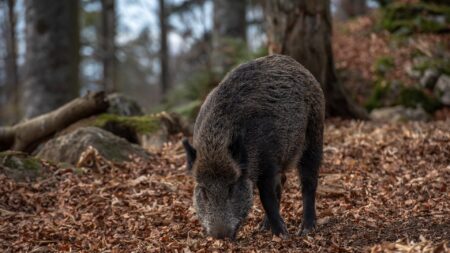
(11, 75)
(229, 31)
(108, 45)
(302, 29)
(164, 51)
(52, 55)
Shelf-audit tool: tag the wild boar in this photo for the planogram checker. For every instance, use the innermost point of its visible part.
(265, 116)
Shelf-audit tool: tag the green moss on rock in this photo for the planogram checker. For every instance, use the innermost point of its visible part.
(140, 124)
(19, 161)
(20, 166)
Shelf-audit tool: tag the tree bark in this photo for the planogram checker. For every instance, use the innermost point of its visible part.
(22, 135)
(108, 45)
(52, 55)
(164, 51)
(302, 30)
(11, 77)
(229, 32)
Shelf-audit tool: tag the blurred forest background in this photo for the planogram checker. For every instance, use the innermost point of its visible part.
(168, 54)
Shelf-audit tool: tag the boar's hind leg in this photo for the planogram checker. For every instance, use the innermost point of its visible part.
(308, 169)
(269, 187)
(280, 180)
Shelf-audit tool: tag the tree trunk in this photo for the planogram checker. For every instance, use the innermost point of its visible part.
(164, 51)
(52, 55)
(229, 33)
(302, 30)
(108, 45)
(11, 75)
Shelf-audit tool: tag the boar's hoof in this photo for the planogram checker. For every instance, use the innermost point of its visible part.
(264, 225)
(284, 236)
(305, 231)
(281, 231)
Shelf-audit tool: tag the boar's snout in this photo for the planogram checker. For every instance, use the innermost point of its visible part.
(222, 231)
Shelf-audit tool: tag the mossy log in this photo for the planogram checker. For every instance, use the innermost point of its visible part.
(23, 136)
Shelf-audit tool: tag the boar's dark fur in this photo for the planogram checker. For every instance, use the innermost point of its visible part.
(265, 116)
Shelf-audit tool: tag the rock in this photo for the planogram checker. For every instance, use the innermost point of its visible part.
(442, 89)
(123, 105)
(399, 114)
(429, 78)
(68, 148)
(20, 166)
(170, 124)
(445, 99)
(412, 72)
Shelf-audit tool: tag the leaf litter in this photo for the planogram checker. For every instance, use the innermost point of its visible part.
(383, 188)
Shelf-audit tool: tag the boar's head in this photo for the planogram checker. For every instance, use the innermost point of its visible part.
(223, 195)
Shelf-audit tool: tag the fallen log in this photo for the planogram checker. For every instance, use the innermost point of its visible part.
(25, 134)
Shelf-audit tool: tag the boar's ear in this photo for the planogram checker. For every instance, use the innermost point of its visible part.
(238, 151)
(191, 153)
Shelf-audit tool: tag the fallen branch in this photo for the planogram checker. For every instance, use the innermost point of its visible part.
(24, 134)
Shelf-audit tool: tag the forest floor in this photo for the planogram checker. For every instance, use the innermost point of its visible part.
(383, 188)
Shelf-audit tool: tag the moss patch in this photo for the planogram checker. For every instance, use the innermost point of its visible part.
(20, 166)
(407, 18)
(19, 161)
(384, 94)
(383, 65)
(442, 64)
(380, 90)
(412, 97)
(140, 124)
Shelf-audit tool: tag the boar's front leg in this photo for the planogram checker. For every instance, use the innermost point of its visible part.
(269, 187)
(280, 181)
